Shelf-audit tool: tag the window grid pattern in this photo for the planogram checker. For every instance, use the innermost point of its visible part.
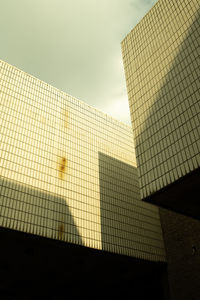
(59, 160)
(161, 59)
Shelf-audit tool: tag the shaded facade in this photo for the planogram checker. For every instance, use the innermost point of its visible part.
(67, 171)
(161, 60)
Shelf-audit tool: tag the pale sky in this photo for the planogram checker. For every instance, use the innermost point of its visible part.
(73, 45)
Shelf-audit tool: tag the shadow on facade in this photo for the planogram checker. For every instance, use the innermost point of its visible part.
(35, 211)
(115, 188)
(141, 278)
(182, 79)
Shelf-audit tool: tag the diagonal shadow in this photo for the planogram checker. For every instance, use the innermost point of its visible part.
(166, 146)
(35, 211)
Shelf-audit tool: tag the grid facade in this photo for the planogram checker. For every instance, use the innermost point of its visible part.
(161, 58)
(68, 171)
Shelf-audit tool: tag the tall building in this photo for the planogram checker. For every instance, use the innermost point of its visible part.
(68, 173)
(161, 60)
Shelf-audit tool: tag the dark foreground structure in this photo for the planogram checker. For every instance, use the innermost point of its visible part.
(33, 267)
(182, 245)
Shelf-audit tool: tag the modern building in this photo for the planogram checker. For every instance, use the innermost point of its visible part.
(162, 60)
(68, 174)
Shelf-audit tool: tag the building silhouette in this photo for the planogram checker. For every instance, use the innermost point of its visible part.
(161, 61)
(70, 211)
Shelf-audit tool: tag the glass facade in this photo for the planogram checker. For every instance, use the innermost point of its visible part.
(68, 171)
(161, 59)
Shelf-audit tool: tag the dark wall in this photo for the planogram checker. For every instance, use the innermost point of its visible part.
(182, 243)
(33, 267)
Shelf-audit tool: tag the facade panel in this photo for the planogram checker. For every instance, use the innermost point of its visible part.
(161, 60)
(67, 171)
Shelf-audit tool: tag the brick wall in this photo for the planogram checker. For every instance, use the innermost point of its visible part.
(182, 243)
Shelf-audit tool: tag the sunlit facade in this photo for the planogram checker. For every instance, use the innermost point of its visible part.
(162, 60)
(68, 171)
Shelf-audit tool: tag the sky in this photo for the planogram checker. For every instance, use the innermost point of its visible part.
(74, 45)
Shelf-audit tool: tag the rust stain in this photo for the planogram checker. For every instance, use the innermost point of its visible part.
(60, 231)
(62, 167)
